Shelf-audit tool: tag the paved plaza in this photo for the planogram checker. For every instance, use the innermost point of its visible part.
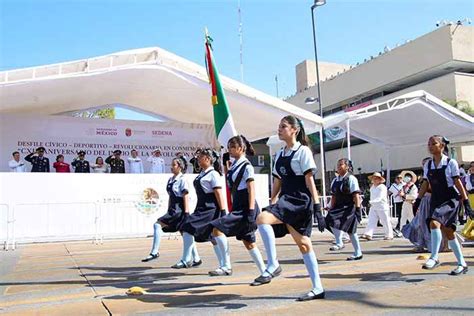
(81, 278)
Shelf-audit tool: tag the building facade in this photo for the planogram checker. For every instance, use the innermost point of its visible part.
(440, 62)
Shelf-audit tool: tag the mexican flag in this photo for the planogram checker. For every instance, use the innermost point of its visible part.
(223, 122)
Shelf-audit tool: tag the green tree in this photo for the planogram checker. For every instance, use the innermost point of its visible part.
(106, 113)
(461, 105)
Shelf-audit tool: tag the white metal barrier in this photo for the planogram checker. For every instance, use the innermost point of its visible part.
(5, 225)
(58, 207)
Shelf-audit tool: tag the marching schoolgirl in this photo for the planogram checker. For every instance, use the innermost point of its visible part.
(178, 208)
(294, 200)
(442, 175)
(210, 206)
(344, 212)
(241, 222)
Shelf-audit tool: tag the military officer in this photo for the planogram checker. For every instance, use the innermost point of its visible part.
(80, 164)
(39, 162)
(157, 163)
(117, 165)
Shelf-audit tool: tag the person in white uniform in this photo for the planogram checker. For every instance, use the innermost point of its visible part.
(409, 194)
(379, 208)
(135, 164)
(16, 164)
(157, 163)
(99, 166)
(394, 191)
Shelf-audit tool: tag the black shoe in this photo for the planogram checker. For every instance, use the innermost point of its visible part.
(354, 258)
(151, 257)
(196, 263)
(311, 296)
(181, 265)
(266, 279)
(220, 272)
(261, 280)
(459, 270)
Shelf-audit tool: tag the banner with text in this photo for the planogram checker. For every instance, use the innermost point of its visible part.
(99, 137)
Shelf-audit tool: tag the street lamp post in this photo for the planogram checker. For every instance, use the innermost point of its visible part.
(318, 3)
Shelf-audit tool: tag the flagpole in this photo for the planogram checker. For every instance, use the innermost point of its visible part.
(241, 45)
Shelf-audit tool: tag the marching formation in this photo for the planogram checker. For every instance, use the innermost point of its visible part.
(295, 202)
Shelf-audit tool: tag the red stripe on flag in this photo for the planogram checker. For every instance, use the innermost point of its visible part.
(211, 70)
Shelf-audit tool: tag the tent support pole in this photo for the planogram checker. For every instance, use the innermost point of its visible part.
(323, 169)
(270, 177)
(387, 153)
(348, 135)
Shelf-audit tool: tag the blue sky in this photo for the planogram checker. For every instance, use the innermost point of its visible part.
(277, 33)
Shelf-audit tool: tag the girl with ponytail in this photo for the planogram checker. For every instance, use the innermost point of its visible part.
(178, 208)
(344, 212)
(210, 206)
(441, 174)
(294, 200)
(241, 221)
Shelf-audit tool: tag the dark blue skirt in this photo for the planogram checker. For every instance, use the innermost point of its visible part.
(173, 219)
(343, 218)
(236, 224)
(294, 210)
(197, 224)
(446, 214)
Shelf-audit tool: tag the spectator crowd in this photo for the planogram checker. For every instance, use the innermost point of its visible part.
(112, 164)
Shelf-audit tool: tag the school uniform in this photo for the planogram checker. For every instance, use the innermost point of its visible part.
(344, 216)
(469, 178)
(236, 223)
(444, 207)
(176, 187)
(444, 202)
(294, 206)
(207, 208)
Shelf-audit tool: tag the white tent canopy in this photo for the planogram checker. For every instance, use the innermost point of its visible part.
(150, 80)
(405, 120)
